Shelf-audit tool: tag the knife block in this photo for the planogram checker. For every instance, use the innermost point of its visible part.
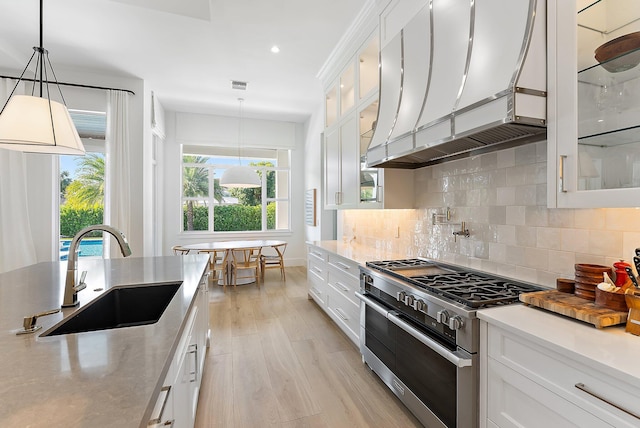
(633, 320)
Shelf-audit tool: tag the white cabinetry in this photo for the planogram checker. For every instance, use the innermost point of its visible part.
(341, 164)
(351, 106)
(594, 108)
(528, 384)
(317, 275)
(333, 281)
(178, 399)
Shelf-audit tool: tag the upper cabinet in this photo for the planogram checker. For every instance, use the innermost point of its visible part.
(349, 182)
(594, 103)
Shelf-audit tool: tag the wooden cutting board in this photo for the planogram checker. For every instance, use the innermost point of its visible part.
(574, 307)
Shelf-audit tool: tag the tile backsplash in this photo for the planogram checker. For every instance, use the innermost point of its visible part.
(501, 197)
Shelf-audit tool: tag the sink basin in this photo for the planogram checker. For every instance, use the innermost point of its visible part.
(120, 307)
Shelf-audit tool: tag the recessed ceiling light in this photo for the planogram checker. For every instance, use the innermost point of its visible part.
(275, 49)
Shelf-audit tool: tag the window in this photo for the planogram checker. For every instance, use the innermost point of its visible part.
(82, 185)
(206, 206)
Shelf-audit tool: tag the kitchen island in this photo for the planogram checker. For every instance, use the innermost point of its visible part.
(105, 378)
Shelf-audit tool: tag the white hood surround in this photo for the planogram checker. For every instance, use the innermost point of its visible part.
(461, 76)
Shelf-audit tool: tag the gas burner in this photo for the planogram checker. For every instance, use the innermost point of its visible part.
(473, 289)
(399, 264)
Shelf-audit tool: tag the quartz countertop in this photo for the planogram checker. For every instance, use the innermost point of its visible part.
(107, 378)
(610, 349)
(356, 252)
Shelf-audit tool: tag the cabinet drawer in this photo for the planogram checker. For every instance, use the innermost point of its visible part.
(516, 401)
(345, 313)
(317, 269)
(344, 284)
(562, 376)
(318, 290)
(317, 254)
(348, 267)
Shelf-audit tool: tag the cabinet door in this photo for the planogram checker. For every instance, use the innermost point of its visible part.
(349, 163)
(516, 401)
(332, 168)
(594, 120)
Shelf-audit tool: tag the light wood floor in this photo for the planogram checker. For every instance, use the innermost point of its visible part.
(277, 360)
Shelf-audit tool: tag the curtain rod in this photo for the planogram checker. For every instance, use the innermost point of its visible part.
(77, 85)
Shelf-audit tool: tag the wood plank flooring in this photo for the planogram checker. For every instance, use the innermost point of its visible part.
(277, 360)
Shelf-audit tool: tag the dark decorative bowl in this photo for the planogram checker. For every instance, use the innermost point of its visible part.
(620, 54)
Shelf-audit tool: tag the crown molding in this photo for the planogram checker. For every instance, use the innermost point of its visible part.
(362, 27)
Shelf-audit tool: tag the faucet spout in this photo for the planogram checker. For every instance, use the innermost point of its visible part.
(71, 285)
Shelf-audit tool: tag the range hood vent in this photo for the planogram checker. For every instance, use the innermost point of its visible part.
(462, 77)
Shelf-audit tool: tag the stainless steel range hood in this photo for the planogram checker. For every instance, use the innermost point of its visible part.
(462, 77)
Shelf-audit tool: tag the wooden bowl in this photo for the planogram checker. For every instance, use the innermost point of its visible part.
(589, 279)
(565, 285)
(618, 54)
(586, 268)
(609, 300)
(585, 294)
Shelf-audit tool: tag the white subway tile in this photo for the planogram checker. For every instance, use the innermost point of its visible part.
(498, 252)
(624, 219)
(562, 263)
(526, 155)
(605, 243)
(506, 158)
(507, 234)
(576, 240)
(526, 236)
(505, 196)
(526, 195)
(589, 218)
(536, 258)
(550, 238)
(516, 215)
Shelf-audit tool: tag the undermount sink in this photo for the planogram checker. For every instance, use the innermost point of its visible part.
(119, 307)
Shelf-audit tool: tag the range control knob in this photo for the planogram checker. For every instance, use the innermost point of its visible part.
(401, 296)
(409, 300)
(455, 322)
(442, 316)
(420, 305)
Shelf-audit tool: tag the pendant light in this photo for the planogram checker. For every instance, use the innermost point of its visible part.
(35, 123)
(240, 176)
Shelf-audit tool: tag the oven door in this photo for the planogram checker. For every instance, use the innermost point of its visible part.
(437, 383)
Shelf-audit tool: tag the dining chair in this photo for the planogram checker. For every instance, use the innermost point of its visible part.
(219, 265)
(179, 250)
(275, 261)
(245, 264)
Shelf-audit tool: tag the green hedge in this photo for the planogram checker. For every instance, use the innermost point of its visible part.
(73, 220)
(231, 218)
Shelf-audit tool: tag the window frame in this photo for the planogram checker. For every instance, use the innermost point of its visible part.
(210, 198)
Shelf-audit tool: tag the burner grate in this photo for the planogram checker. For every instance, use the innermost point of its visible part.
(469, 288)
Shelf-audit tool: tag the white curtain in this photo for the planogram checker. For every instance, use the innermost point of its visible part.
(118, 204)
(16, 242)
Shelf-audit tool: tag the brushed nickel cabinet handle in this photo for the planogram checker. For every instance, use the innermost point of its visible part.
(563, 158)
(341, 314)
(582, 387)
(342, 286)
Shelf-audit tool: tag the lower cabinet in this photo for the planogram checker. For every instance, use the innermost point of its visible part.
(333, 282)
(177, 403)
(527, 384)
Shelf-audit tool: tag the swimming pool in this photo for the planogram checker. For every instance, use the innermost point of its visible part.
(88, 248)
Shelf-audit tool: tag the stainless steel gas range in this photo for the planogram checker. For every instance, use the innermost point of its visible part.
(420, 334)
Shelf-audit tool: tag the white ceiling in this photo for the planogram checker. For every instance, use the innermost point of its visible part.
(188, 51)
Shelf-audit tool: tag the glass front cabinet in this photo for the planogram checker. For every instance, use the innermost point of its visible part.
(594, 103)
(353, 97)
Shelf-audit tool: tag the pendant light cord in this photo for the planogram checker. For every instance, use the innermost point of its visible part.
(240, 134)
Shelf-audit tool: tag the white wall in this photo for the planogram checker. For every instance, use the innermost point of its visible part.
(313, 169)
(202, 129)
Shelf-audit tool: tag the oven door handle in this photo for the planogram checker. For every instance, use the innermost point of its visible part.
(451, 356)
(373, 304)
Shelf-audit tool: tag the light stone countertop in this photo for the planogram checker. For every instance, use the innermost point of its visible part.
(610, 350)
(107, 378)
(356, 252)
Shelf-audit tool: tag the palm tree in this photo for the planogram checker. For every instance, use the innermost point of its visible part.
(195, 182)
(87, 190)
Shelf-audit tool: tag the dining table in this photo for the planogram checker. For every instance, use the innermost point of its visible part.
(204, 247)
